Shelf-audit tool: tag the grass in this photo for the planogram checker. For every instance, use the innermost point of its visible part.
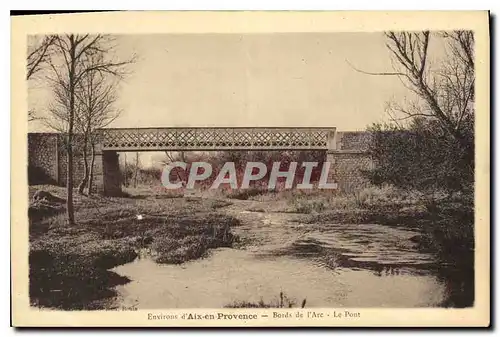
(72, 275)
(317, 201)
(69, 264)
(245, 194)
(215, 204)
(282, 301)
(191, 241)
(308, 206)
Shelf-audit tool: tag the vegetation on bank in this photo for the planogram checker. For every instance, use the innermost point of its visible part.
(282, 301)
(70, 270)
(69, 265)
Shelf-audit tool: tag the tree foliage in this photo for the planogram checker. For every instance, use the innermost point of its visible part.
(421, 156)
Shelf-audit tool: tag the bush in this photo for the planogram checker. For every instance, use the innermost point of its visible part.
(421, 157)
(283, 301)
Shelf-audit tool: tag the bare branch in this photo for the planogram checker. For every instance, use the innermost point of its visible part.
(38, 55)
(376, 73)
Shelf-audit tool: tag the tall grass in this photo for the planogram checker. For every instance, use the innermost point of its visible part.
(367, 198)
(282, 301)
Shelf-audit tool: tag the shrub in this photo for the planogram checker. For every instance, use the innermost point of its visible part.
(282, 301)
(420, 157)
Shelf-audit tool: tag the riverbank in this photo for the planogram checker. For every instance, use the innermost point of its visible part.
(69, 266)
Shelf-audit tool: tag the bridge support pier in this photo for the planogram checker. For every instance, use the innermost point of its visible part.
(330, 156)
(348, 153)
(332, 177)
(107, 176)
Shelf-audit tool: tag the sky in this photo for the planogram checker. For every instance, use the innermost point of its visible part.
(285, 79)
(290, 79)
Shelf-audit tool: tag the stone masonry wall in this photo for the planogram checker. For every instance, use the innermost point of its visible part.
(42, 158)
(78, 166)
(47, 160)
(111, 173)
(354, 141)
(351, 159)
(348, 171)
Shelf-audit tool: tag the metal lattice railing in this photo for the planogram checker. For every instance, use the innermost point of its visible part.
(182, 139)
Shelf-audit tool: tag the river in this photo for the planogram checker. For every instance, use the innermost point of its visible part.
(328, 265)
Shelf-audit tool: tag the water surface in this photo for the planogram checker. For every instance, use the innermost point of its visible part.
(332, 265)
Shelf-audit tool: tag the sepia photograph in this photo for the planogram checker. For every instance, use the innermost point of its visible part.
(253, 176)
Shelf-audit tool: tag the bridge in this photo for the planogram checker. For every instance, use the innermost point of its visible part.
(206, 139)
(346, 151)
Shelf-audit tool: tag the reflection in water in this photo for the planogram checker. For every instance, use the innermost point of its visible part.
(230, 275)
(329, 265)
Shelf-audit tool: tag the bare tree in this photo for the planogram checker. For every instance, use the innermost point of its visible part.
(124, 170)
(447, 93)
(96, 95)
(69, 65)
(93, 138)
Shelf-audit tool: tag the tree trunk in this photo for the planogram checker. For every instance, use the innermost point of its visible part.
(85, 178)
(91, 169)
(69, 181)
(125, 170)
(136, 168)
(69, 178)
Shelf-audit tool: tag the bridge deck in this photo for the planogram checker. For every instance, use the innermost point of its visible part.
(199, 139)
